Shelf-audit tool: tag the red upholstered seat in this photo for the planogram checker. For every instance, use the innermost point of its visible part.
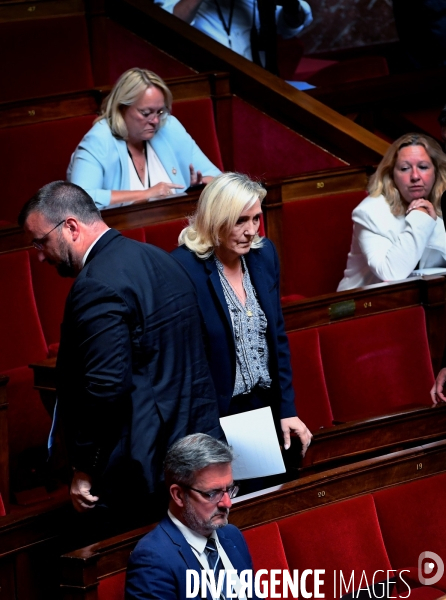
(413, 520)
(264, 148)
(23, 342)
(115, 49)
(112, 588)
(342, 536)
(33, 155)
(376, 365)
(50, 291)
(197, 116)
(165, 235)
(2, 507)
(266, 548)
(41, 57)
(311, 400)
(317, 235)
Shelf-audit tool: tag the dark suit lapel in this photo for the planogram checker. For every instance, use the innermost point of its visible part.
(214, 278)
(184, 550)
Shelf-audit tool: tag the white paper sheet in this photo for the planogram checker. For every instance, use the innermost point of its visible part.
(253, 438)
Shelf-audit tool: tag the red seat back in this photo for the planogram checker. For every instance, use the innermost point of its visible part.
(197, 116)
(165, 235)
(264, 148)
(377, 364)
(413, 519)
(41, 57)
(342, 536)
(50, 291)
(34, 155)
(115, 49)
(317, 234)
(112, 588)
(311, 398)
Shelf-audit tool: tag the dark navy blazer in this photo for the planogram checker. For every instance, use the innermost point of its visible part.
(263, 266)
(157, 566)
(132, 371)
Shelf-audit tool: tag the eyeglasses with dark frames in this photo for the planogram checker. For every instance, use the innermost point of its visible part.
(215, 496)
(39, 242)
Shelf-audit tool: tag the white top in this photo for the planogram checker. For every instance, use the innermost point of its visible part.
(389, 248)
(197, 542)
(154, 172)
(245, 12)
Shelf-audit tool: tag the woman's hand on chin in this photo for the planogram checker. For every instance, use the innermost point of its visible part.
(423, 205)
(293, 425)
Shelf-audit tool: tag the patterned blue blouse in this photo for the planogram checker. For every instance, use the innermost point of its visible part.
(249, 325)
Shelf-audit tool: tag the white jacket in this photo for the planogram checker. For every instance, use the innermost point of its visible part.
(388, 248)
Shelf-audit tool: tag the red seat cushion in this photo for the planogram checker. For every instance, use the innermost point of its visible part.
(311, 399)
(317, 234)
(378, 364)
(342, 536)
(165, 235)
(263, 147)
(41, 57)
(197, 116)
(45, 148)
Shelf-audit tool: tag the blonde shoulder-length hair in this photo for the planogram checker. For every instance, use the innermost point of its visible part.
(220, 205)
(382, 181)
(125, 92)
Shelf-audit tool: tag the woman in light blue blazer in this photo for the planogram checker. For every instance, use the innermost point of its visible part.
(136, 150)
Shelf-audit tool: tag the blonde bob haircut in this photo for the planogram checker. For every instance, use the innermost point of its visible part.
(220, 205)
(127, 89)
(382, 181)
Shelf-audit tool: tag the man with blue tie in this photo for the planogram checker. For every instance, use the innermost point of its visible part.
(195, 535)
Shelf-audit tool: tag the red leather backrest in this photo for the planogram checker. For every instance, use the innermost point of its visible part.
(311, 398)
(413, 519)
(341, 536)
(197, 116)
(41, 57)
(317, 234)
(377, 364)
(34, 155)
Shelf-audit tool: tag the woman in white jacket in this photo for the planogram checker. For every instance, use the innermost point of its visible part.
(399, 225)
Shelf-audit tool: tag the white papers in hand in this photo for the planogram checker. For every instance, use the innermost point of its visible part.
(253, 438)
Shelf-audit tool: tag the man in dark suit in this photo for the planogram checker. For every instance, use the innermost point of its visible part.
(132, 372)
(198, 474)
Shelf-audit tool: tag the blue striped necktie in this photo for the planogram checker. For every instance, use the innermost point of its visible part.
(215, 562)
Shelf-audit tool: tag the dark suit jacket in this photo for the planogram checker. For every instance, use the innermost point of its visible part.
(263, 266)
(157, 566)
(132, 370)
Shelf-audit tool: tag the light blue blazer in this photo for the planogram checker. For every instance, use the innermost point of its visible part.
(100, 162)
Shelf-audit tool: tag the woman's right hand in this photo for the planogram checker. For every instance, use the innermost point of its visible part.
(163, 189)
(423, 205)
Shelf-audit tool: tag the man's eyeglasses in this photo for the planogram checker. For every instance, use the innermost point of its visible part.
(39, 242)
(215, 496)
